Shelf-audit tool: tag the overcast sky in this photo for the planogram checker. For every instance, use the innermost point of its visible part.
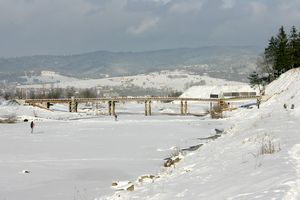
(29, 27)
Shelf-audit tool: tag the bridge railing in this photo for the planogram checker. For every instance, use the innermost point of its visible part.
(83, 100)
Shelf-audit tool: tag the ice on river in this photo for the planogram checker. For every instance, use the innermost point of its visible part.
(79, 159)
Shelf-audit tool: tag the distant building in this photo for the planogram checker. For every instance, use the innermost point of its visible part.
(224, 91)
(48, 73)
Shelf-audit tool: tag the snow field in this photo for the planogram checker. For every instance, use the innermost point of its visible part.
(233, 166)
(78, 156)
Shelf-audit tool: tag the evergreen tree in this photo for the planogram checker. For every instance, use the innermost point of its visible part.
(294, 47)
(282, 54)
(277, 53)
(283, 61)
(271, 52)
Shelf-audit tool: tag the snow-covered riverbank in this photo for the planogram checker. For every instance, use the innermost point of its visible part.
(257, 158)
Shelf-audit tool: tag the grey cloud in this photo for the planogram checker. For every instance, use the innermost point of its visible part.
(227, 4)
(144, 26)
(74, 26)
(143, 6)
(186, 6)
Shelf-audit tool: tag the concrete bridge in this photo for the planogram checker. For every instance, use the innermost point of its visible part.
(111, 102)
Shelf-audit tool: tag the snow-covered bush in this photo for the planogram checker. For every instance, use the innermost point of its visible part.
(265, 143)
(268, 145)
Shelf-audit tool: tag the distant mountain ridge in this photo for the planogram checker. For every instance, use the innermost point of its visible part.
(235, 61)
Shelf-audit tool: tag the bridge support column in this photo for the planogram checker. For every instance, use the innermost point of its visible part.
(109, 107)
(148, 108)
(185, 107)
(181, 108)
(73, 105)
(113, 107)
(45, 104)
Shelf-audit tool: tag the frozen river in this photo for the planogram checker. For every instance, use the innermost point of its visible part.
(79, 159)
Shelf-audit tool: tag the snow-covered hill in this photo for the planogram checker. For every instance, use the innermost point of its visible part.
(285, 90)
(229, 62)
(175, 80)
(257, 158)
(48, 77)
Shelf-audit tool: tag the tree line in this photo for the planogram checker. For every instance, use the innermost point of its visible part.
(281, 54)
(106, 91)
(51, 93)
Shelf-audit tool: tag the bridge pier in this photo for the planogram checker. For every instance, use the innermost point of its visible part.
(183, 107)
(46, 104)
(111, 107)
(72, 105)
(148, 108)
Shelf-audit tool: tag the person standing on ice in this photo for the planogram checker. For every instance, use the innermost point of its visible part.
(31, 126)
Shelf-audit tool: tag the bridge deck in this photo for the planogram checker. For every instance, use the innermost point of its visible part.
(84, 100)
